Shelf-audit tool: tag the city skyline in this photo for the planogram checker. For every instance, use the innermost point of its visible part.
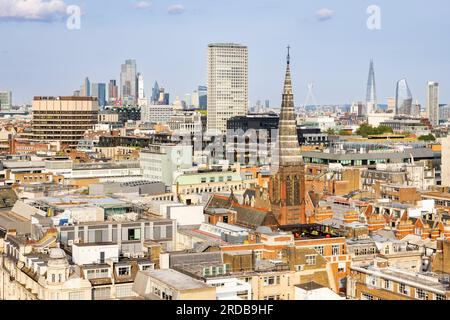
(325, 38)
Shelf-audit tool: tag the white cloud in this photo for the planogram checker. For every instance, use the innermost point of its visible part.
(324, 14)
(176, 9)
(143, 5)
(34, 10)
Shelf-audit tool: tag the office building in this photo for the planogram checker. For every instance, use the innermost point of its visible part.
(155, 93)
(99, 91)
(63, 119)
(85, 90)
(128, 83)
(227, 84)
(5, 100)
(203, 97)
(113, 92)
(433, 102)
(403, 99)
(156, 113)
(161, 162)
(140, 82)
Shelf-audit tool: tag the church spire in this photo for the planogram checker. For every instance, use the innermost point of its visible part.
(287, 78)
(289, 150)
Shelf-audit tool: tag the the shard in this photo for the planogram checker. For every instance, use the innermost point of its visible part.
(371, 97)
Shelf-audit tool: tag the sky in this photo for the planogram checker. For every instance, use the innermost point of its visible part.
(331, 45)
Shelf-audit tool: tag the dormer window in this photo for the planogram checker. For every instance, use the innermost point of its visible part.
(124, 271)
(145, 267)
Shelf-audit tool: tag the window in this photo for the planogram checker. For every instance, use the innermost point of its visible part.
(403, 289)
(319, 249)
(124, 291)
(299, 267)
(342, 267)
(371, 281)
(134, 234)
(366, 296)
(203, 179)
(102, 293)
(77, 295)
(386, 250)
(335, 250)
(311, 260)
(220, 179)
(147, 267)
(440, 297)
(229, 178)
(276, 297)
(387, 284)
(212, 179)
(270, 281)
(421, 294)
(123, 271)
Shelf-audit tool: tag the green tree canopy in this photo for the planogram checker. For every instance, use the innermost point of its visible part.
(366, 130)
(428, 137)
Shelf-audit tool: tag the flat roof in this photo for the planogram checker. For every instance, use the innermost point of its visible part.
(176, 279)
(310, 286)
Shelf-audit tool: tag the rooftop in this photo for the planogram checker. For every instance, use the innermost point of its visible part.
(175, 279)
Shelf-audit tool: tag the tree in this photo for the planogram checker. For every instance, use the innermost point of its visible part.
(330, 131)
(366, 130)
(343, 132)
(428, 137)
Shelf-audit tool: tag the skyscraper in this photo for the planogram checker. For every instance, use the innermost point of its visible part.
(203, 97)
(227, 84)
(371, 97)
(99, 91)
(5, 100)
(140, 89)
(128, 83)
(188, 100)
(113, 92)
(287, 185)
(155, 93)
(86, 88)
(433, 102)
(403, 99)
(194, 100)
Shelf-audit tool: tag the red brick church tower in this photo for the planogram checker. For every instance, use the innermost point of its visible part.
(287, 185)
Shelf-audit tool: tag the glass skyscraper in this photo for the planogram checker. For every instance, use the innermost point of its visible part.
(371, 97)
(99, 91)
(128, 83)
(155, 93)
(203, 97)
(403, 99)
